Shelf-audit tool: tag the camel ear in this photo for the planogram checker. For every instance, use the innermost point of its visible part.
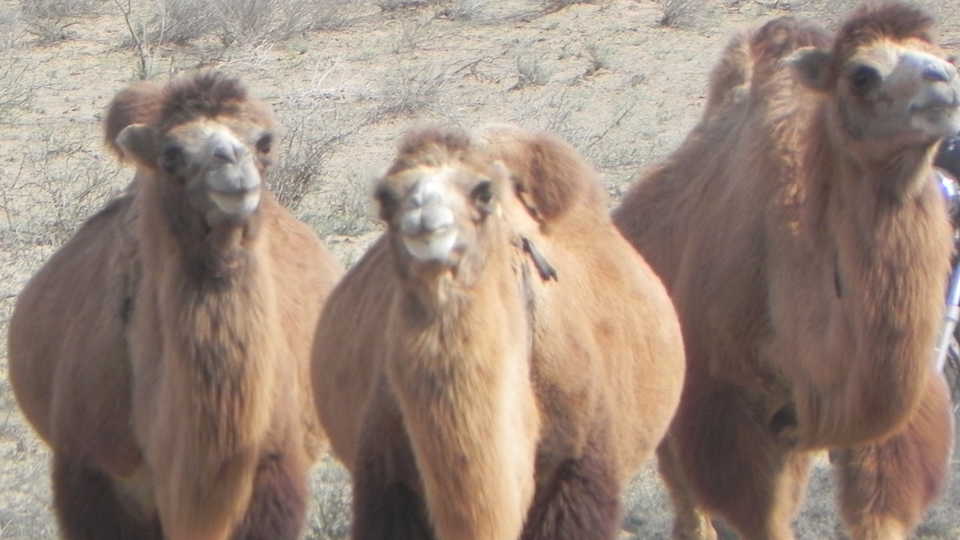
(139, 144)
(811, 67)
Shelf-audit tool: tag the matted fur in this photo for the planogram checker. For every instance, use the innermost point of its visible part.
(487, 402)
(809, 297)
(893, 21)
(164, 359)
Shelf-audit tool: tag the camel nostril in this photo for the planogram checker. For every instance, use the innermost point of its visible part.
(225, 153)
(935, 73)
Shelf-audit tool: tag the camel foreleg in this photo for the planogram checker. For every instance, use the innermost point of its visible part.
(88, 506)
(887, 486)
(279, 501)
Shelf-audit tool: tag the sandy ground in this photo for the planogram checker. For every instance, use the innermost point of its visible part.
(604, 75)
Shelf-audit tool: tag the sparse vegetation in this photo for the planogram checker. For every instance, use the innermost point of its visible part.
(407, 93)
(597, 58)
(393, 5)
(240, 23)
(620, 91)
(48, 20)
(16, 88)
(680, 13)
(530, 72)
(464, 10)
(56, 185)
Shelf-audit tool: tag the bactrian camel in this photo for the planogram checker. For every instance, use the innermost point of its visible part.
(501, 361)
(162, 352)
(806, 247)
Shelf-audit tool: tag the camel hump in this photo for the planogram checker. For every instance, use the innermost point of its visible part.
(549, 176)
(753, 56)
(774, 42)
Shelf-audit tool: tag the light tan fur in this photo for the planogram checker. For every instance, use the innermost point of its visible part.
(486, 397)
(806, 246)
(169, 356)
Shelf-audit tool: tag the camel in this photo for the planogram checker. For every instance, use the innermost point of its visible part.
(163, 352)
(805, 245)
(516, 361)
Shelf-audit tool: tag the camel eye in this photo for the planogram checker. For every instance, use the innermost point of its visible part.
(387, 201)
(483, 192)
(863, 78)
(265, 143)
(172, 158)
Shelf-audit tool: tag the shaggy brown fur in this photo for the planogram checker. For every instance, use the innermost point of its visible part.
(486, 402)
(162, 352)
(805, 247)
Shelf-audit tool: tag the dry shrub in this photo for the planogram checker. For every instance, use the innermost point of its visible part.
(393, 5)
(58, 184)
(407, 93)
(245, 22)
(530, 72)
(552, 6)
(330, 516)
(679, 13)
(16, 90)
(48, 20)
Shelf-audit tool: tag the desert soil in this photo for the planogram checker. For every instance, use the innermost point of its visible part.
(606, 75)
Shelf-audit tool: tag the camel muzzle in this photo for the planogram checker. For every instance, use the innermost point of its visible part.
(429, 233)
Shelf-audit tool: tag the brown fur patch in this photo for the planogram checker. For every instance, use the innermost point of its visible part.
(894, 21)
(431, 146)
(88, 508)
(279, 501)
(580, 502)
(898, 478)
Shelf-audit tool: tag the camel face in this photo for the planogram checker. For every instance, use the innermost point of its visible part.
(218, 163)
(896, 93)
(436, 213)
(891, 89)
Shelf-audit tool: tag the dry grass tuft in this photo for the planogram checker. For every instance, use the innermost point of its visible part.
(680, 13)
(48, 20)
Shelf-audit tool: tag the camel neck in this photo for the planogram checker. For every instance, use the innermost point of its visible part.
(876, 177)
(446, 309)
(173, 233)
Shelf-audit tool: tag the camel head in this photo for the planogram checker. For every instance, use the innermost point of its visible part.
(202, 138)
(890, 85)
(437, 201)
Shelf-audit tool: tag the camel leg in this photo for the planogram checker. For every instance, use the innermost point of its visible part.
(580, 501)
(886, 487)
(88, 507)
(279, 501)
(689, 522)
(733, 464)
(385, 505)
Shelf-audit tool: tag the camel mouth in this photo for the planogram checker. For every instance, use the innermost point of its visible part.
(938, 105)
(238, 204)
(435, 246)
